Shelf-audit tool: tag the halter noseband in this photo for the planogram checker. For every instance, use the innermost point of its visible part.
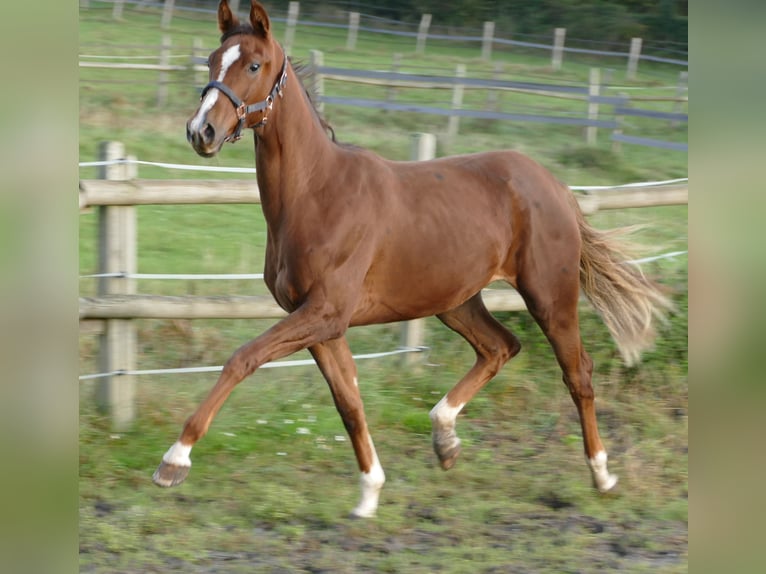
(243, 109)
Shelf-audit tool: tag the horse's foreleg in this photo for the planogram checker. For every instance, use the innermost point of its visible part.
(494, 346)
(306, 326)
(337, 365)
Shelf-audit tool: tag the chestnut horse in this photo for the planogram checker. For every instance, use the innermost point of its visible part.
(355, 239)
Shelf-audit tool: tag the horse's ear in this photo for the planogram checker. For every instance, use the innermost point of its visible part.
(226, 18)
(259, 19)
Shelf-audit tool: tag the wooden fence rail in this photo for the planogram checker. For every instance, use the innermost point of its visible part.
(99, 192)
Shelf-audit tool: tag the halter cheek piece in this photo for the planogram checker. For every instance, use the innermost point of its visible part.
(243, 109)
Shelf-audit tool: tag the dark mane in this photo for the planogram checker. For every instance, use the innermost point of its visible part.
(306, 74)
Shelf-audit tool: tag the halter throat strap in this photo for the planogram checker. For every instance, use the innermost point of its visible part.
(243, 109)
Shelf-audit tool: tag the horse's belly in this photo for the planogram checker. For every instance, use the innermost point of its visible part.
(404, 296)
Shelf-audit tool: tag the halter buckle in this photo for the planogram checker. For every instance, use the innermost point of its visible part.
(242, 111)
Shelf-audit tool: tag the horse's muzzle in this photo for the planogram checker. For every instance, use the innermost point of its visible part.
(203, 139)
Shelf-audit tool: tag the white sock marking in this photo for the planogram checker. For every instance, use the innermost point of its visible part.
(178, 454)
(604, 481)
(230, 56)
(443, 416)
(371, 483)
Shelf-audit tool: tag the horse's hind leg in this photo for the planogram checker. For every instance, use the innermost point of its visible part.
(494, 346)
(338, 367)
(553, 304)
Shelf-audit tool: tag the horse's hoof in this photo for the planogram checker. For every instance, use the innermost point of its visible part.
(608, 485)
(448, 457)
(170, 474)
(357, 514)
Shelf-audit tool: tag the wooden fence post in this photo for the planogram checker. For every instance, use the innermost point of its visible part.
(486, 41)
(317, 61)
(292, 19)
(167, 14)
(559, 35)
(198, 51)
(413, 332)
(683, 88)
(493, 96)
(395, 63)
(594, 88)
(457, 102)
(635, 54)
(425, 23)
(618, 118)
(353, 30)
(162, 85)
(117, 10)
(117, 254)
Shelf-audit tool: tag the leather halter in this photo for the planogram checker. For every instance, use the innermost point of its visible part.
(243, 109)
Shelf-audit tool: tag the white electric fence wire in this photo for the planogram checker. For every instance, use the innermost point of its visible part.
(251, 276)
(115, 57)
(219, 169)
(628, 185)
(670, 255)
(184, 276)
(272, 365)
(252, 170)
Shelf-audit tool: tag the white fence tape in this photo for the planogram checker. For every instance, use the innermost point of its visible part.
(185, 276)
(670, 255)
(219, 169)
(152, 58)
(628, 185)
(256, 276)
(272, 365)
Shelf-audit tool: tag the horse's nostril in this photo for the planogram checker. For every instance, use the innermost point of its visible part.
(209, 133)
(188, 133)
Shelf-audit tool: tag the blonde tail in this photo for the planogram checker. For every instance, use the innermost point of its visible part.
(629, 303)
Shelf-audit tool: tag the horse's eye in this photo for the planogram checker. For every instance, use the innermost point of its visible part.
(254, 67)
(207, 63)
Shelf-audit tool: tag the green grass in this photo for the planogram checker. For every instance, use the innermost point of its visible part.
(264, 496)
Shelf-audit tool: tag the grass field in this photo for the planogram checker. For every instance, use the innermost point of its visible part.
(273, 481)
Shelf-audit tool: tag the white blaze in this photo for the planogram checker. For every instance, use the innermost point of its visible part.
(230, 56)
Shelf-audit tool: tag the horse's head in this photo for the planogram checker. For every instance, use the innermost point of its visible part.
(247, 72)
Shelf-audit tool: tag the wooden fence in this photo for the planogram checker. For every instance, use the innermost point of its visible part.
(591, 95)
(487, 40)
(117, 304)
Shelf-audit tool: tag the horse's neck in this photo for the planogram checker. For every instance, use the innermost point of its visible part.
(292, 152)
